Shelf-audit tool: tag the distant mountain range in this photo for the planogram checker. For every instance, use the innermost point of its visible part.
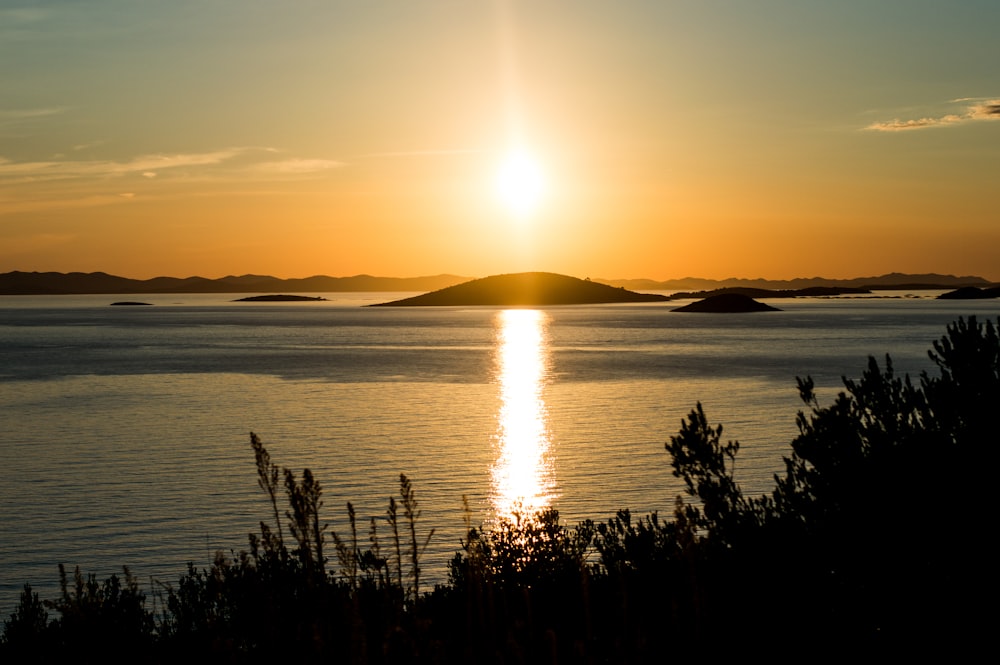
(55, 283)
(894, 280)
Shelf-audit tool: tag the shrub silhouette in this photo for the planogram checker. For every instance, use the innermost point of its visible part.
(27, 626)
(849, 519)
(92, 616)
(281, 601)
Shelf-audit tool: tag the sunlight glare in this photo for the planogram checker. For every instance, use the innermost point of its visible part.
(520, 183)
(522, 474)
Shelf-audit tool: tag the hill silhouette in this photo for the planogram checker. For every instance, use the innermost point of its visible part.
(280, 297)
(525, 289)
(52, 283)
(893, 280)
(971, 293)
(727, 303)
(807, 292)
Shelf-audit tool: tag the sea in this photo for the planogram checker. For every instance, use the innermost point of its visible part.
(125, 431)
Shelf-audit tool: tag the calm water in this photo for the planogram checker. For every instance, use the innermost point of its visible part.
(126, 430)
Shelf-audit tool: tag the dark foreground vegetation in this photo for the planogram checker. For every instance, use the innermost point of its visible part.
(876, 537)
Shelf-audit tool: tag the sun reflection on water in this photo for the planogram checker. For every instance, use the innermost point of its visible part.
(522, 475)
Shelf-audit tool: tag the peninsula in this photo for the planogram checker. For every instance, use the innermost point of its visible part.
(526, 289)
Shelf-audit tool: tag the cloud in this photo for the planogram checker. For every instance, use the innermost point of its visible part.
(985, 110)
(22, 205)
(23, 15)
(8, 116)
(65, 183)
(149, 163)
(293, 166)
(421, 153)
(237, 162)
(920, 123)
(61, 169)
(981, 110)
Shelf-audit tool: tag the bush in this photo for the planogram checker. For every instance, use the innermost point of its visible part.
(874, 551)
(94, 618)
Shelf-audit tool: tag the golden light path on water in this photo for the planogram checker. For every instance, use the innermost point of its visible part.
(523, 479)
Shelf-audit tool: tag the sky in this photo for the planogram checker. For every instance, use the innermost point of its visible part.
(657, 139)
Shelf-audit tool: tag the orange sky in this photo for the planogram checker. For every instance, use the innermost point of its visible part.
(776, 139)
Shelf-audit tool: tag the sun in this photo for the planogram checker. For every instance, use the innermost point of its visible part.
(520, 183)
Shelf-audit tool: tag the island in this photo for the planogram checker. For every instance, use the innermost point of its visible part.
(526, 289)
(131, 303)
(971, 293)
(727, 303)
(280, 298)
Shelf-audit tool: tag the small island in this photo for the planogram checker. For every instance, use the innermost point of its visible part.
(280, 298)
(727, 303)
(971, 293)
(525, 289)
(131, 303)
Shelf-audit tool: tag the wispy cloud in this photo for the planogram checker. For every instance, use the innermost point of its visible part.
(63, 182)
(237, 161)
(294, 166)
(159, 162)
(981, 109)
(60, 169)
(985, 110)
(898, 125)
(22, 205)
(421, 153)
(19, 115)
(15, 15)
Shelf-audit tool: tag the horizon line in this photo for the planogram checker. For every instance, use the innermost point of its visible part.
(473, 277)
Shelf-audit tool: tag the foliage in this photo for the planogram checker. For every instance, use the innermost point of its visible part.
(849, 519)
(524, 550)
(27, 626)
(282, 600)
(92, 616)
(699, 457)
